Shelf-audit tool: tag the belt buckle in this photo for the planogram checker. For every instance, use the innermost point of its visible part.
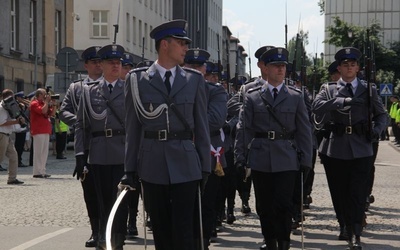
(271, 135)
(108, 132)
(162, 135)
(349, 130)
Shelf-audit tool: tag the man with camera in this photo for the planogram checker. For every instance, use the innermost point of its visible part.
(6, 144)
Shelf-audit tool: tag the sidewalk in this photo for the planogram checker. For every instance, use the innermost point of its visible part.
(50, 213)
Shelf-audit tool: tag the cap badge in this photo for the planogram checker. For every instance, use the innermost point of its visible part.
(279, 51)
(348, 51)
(196, 53)
(114, 47)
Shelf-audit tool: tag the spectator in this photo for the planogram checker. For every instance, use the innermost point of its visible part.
(6, 144)
(41, 109)
(61, 135)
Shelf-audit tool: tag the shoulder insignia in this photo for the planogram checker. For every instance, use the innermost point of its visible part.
(79, 80)
(294, 88)
(92, 83)
(254, 89)
(192, 70)
(139, 69)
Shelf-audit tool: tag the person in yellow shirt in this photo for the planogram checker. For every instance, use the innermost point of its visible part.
(61, 135)
(393, 114)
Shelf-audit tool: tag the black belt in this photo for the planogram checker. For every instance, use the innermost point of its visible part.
(163, 135)
(215, 133)
(273, 135)
(340, 129)
(4, 134)
(109, 133)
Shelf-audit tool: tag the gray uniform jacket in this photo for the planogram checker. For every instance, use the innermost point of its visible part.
(277, 155)
(102, 150)
(171, 161)
(70, 104)
(348, 146)
(216, 112)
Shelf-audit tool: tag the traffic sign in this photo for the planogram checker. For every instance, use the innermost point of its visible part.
(386, 89)
(67, 59)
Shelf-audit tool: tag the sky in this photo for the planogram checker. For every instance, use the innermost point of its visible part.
(262, 22)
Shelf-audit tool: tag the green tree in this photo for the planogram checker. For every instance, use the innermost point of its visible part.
(367, 39)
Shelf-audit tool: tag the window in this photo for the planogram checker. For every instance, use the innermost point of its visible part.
(99, 23)
(128, 27)
(145, 35)
(140, 33)
(14, 29)
(134, 30)
(32, 27)
(57, 31)
(151, 41)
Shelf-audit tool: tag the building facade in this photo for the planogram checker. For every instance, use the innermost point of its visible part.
(363, 13)
(33, 32)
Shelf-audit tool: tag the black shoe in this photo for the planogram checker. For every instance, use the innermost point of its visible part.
(132, 231)
(15, 182)
(246, 209)
(2, 169)
(355, 243)
(371, 199)
(61, 157)
(343, 235)
(230, 219)
(263, 247)
(21, 165)
(41, 176)
(91, 242)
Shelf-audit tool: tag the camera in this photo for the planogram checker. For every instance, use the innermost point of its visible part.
(14, 110)
(53, 97)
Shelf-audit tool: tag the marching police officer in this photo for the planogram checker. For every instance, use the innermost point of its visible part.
(347, 152)
(101, 114)
(275, 121)
(127, 65)
(67, 114)
(216, 113)
(168, 142)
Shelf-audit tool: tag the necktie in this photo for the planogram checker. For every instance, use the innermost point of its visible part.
(275, 90)
(350, 89)
(110, 87)
(166, 81)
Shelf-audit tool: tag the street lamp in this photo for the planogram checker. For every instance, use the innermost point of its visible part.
(322, 59)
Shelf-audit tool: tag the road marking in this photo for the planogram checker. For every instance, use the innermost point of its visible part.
(42, 238)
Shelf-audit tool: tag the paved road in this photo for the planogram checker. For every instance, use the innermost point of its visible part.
(50, 213)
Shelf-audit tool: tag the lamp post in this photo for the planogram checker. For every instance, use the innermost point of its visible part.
(322, 59)
(350, 36)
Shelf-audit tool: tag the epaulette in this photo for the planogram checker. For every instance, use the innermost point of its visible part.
(192, 70)
(92, 83)
(79, 80)
(139, 69)
(214, 84)
(294, 88)
(254, 89)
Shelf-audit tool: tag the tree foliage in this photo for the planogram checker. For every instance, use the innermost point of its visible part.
(367, 39)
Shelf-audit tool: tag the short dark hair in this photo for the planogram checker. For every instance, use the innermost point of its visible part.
(6, 93)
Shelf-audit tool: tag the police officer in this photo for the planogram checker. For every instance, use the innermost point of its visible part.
(234, 105)
(168, 137)
(347, 152)
(67, 114)
(275, 121)
(127, 65)
(101, 114)
(216, 113)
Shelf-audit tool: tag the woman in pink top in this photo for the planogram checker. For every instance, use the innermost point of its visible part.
(41, 109)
